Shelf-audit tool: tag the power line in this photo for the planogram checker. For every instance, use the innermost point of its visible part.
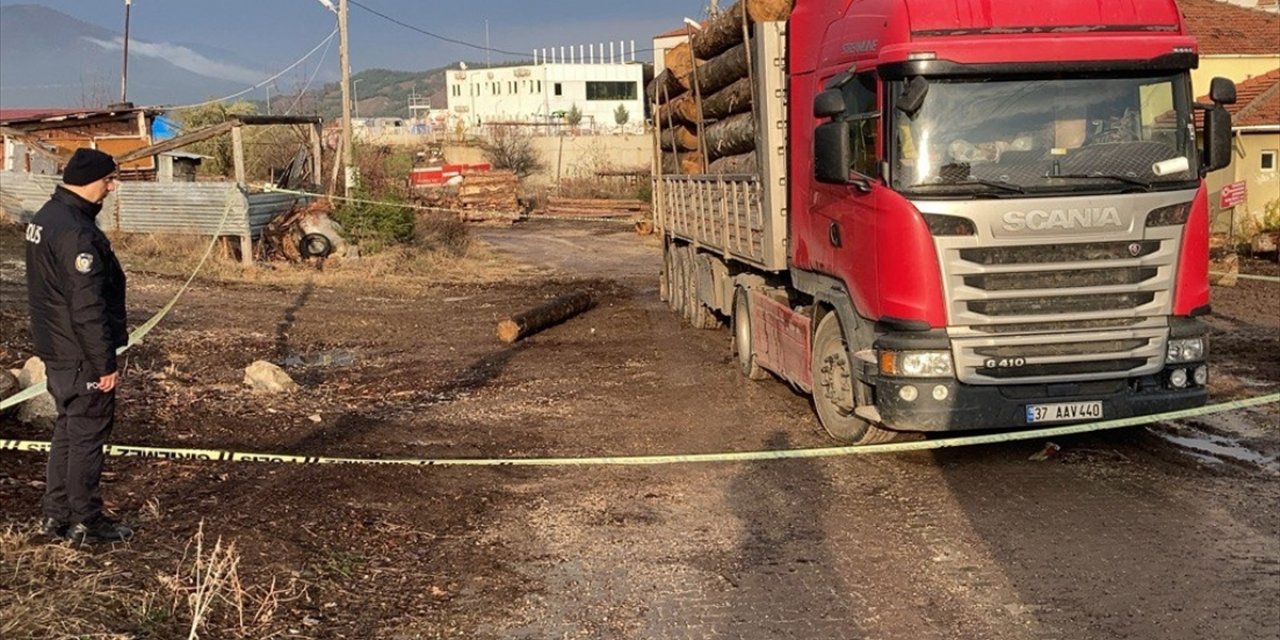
(287, 69)
(435, 35)
(319, 65)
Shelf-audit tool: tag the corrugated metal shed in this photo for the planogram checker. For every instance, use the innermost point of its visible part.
(153, 207)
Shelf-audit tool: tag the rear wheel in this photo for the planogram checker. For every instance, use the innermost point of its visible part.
(743, 344)
(664, 276)
(837, 393)
(697, 313)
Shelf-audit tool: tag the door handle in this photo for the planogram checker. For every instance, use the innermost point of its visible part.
(833, 234)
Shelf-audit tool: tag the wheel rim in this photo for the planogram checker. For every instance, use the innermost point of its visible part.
(836, 383)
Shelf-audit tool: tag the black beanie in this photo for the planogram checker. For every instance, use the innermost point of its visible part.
(87, 165)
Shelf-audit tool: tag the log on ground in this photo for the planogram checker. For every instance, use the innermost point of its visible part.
(679, 138)
(725, 30)
(538, 318)
(743, 163)
(730, 137)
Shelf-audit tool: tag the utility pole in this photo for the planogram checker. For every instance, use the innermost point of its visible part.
(345, 55)
(124, 70)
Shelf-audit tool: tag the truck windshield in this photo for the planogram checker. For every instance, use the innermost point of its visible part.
(1002, 137)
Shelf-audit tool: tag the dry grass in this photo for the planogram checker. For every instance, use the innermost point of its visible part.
(442, 253)
(59, 591)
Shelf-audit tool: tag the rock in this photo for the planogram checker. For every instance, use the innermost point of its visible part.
(8, 386)
(266, 377)
(41, 407)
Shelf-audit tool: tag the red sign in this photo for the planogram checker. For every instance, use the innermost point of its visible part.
(1232, 195)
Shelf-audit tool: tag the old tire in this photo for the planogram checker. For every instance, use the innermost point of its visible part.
(315, 245)
(743, 345)
(837, 393)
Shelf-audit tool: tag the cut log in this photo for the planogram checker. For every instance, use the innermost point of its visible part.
(684, 163)
(679, 138)
(719, 72)
(725, 30)
(679, 60)
(538, 318)
(664, 87)
(683, 109)
(735, 98)
(743, 163)
(730, 137)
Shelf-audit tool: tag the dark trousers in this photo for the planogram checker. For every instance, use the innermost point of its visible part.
(85, 418)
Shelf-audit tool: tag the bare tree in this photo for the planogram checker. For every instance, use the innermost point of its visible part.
(511, 147)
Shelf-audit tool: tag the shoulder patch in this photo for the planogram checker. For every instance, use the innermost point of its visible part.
(84, 262)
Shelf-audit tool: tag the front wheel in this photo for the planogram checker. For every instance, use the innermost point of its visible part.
(837, 393)
(743, 346)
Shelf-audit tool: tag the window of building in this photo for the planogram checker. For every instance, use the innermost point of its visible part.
(539, 86)
(1268, 160)
(611, 91)
(557, 89)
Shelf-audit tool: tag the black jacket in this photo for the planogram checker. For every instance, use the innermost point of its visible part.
(75, 285)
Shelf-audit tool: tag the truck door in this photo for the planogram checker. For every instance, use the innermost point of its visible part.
(844, 216)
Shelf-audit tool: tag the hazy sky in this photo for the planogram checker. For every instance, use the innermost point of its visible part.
(274, 33)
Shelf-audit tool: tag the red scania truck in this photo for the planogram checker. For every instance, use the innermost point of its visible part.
(967, 214)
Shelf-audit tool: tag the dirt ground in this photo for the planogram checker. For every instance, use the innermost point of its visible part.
(1169, 531)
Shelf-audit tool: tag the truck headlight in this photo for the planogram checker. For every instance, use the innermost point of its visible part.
(1185, 350)
(916, 364)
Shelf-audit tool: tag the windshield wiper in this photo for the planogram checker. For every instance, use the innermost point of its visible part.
(994, 184)
(1104, 176)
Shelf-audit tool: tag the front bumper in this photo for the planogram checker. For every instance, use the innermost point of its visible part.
(970, 407)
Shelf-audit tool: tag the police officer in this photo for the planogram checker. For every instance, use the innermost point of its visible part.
(76, 292)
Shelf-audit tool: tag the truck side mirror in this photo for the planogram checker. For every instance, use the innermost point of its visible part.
(832, 154)
(828, 104)
(1217, 139)
(1222, 91)
(912, 98)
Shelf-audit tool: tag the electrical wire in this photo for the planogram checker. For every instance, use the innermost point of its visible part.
(319, 65)
(435, 35)
(323, 43)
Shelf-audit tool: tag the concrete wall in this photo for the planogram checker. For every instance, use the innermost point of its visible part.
(1262, 186)
(1235, 68)
(573, 156)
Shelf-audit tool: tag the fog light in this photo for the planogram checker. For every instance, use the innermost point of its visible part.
(909, 393)
(1201, 375)
(1178, 378)
(940, 392)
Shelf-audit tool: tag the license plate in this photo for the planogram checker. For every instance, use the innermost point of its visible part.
(1038, 413)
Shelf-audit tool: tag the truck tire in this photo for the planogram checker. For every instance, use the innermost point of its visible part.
(676, 295)
(836, 392)
(664, 275)
(698, 314)
(743, 346)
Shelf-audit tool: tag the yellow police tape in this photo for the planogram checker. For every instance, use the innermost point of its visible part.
(1246, 276)
(137, 335)
(739, 456)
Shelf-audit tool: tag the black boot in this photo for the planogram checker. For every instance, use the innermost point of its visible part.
(53, 528)
(100, 529)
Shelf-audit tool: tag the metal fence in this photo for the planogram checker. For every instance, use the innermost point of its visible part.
(194, 208)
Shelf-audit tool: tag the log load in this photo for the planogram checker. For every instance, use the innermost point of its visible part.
(681, 110)
(719, 72)
(735, 98)
(552, 313)
(679, 138)
(679, 60)
(664, 87)
(725, 30)
(684, 163)
(732, 136)
(743, 163)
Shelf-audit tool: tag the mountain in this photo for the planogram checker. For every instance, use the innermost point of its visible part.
(381, 93)
(51, 59)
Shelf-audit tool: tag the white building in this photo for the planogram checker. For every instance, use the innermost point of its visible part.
(664, 42)
(596, 82)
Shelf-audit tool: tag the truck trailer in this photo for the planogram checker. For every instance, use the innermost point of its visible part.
(951, 214)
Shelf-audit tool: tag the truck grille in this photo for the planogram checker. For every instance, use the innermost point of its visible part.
(1044, 313)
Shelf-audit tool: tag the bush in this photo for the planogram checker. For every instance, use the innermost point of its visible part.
(442, 232)
(375, 226)
(511, 148)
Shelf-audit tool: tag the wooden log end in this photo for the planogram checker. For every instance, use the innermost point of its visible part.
(508, 331)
